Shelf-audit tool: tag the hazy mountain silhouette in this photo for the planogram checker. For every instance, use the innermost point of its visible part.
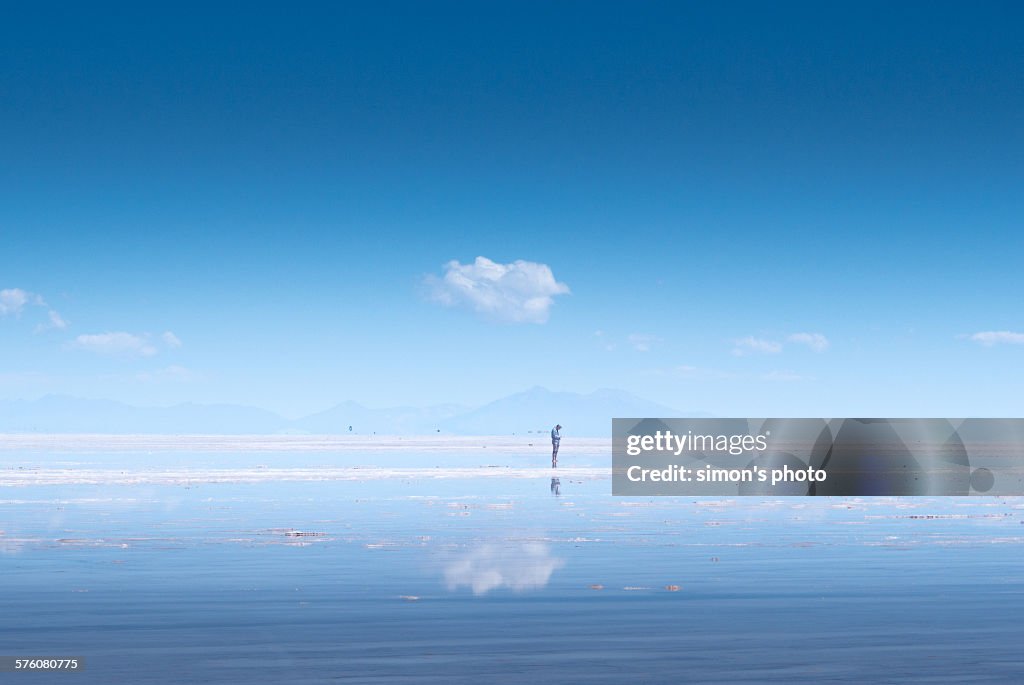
(538, 409)
(63, 414)
(395, 420)
(535, 410)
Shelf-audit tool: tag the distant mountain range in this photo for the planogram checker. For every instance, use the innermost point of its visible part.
(534, 410)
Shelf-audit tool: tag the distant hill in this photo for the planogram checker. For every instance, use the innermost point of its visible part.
(535, 410)
(62, 414)
(396, 420)
(538, 409)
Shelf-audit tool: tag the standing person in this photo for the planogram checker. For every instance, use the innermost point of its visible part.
(556, 437)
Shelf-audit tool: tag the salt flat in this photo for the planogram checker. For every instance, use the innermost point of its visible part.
(79, 443)
(267, 559)
(36, 459)
(187, 476)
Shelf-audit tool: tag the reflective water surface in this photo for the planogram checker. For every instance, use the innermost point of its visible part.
(540, 579)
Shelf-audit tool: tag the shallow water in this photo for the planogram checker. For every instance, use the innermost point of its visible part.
(465, 579)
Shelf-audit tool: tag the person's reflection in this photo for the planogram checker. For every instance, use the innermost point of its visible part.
(556, 487)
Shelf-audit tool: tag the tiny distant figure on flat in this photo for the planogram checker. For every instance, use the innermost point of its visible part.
(556, 437)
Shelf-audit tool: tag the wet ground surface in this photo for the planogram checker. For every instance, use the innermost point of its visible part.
(411, 577)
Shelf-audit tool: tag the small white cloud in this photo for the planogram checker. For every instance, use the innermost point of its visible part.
(642, 342)
(171, 340)
(520, 292)
(13, 300)
(815, 341)
(117, 344)
(751, 345)
(56, 321)
(518, 567)
(990, 338)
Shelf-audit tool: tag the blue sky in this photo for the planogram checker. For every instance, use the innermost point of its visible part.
(745, 209)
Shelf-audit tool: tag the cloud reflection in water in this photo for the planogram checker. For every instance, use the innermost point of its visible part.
(516, 566)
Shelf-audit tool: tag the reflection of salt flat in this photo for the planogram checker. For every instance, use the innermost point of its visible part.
(260, 475)
(14, 545)
(293, 443)
(516, 566)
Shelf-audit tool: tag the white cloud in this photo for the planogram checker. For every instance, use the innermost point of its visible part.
(751, 345)
(518, 567)
(990, 338)
(520, 292)
(56, 321)
(816, 341)
(118, 344)
(642, 342)
(126, 344)
(12, 300)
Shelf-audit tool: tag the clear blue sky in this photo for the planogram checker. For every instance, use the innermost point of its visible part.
(756, 209)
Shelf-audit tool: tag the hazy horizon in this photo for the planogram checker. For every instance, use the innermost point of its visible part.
(532, 411)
